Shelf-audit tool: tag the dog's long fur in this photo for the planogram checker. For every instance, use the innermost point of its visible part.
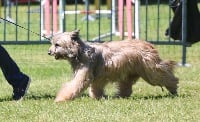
(123, 62)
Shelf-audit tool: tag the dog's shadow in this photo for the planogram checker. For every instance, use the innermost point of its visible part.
(156, 97)
(136, 97)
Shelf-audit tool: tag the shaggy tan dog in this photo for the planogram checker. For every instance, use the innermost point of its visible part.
(123, 62)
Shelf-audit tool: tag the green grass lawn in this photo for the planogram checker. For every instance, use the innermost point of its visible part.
(147, 103)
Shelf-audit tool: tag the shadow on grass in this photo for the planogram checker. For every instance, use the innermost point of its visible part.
(6, 99)
(106, 97)
(158, 97)
(40, 97)
(149, 97)
(136, 97)
(30, 97)
(154, 97)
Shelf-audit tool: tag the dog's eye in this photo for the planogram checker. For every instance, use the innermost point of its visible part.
(57, 45)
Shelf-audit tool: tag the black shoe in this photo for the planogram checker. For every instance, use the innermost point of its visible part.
(20, 91)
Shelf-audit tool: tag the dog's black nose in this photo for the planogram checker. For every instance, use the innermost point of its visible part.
(49, 52)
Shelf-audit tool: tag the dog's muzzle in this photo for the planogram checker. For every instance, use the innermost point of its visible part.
(52, 54)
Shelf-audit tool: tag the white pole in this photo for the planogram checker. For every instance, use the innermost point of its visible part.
(137, 19)
(42, 17)
(113, 17)
(61, 15)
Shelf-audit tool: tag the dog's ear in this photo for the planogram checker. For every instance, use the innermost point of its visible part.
(75, 34)
(75, 37)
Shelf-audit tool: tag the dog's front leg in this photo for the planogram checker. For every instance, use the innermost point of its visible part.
(72, 89)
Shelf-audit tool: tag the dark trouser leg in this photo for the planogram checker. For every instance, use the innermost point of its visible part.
(10, 69)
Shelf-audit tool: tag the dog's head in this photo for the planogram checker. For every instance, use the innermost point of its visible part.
(65, 45)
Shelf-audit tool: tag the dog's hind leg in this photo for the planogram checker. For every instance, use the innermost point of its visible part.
(96, 89)
(125, 87)
(74, 88)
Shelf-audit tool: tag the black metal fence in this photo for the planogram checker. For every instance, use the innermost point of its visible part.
(85, 16)
(97, 20)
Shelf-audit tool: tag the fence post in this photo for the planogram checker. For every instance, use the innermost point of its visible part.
(113, 13)
(62, 15)
(0, 8)
(129, 18)
(121, 18)
(55, 16)
(184, 32)
(137, 19)
(47, 16)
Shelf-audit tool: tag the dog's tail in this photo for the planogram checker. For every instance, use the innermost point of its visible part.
(161, 73)
(168, 78)
(167, 65)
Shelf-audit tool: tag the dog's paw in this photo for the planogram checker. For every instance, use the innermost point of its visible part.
(59, 99)
(65, 93)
